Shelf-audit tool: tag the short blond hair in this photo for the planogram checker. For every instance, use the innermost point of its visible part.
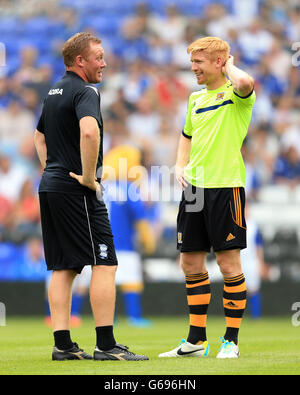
(79, 44)
(212, 46)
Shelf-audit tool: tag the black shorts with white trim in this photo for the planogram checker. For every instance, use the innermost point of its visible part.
(76, 231)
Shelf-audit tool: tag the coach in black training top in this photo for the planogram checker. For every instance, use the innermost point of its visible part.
(75, 225)
(70, 100)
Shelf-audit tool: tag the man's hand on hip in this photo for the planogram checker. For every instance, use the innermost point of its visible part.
(92, 184)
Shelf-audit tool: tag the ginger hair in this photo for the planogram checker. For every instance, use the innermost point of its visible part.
(214, 47)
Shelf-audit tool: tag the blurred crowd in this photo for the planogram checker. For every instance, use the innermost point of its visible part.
(146, 84)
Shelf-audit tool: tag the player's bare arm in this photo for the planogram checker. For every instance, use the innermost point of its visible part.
(89, 149)
(183, 156)
(41, 148)
(242, 82)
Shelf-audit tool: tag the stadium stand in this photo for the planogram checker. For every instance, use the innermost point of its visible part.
(148, 78)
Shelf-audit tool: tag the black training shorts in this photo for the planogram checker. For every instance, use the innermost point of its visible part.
(211, 218)
(76, 231)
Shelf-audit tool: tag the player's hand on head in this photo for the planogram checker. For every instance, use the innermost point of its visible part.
(229, 61)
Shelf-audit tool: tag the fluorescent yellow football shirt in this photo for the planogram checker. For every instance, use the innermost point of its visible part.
(217, 122)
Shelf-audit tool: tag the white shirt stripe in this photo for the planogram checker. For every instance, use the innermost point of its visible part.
(88, 219)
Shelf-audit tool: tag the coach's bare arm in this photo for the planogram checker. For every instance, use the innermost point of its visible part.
(40, 146)
(242, 82)
(89, 150)
(183, 157)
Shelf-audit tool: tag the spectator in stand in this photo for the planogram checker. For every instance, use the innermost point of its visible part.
(233, 39)
(168, 90)
(254, 265)
(287, 167)
(32, 262)
(27, 158)
(271, 84)
(133, 43)
(265, 147)
(28, 69)
(294, 86)
(220, 22)
(5, 212)
(138, 81)
(171, 27)
(159, 51)
(31, 101)
(291, 135)
(263, 110)
(71, 21)
(26, 211)
(42, 83)
(138, 22)
(283, 114)
(180, 57)
(5, 94)
(12, 177)
(245, 10)
(165, 152)
(16, 123)
(255, 42)
(293, 25)
(279, 62)
(144, 123)
(252, 176)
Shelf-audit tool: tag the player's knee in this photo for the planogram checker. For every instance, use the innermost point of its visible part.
(191, 263)
(228, 267)
(186, 266)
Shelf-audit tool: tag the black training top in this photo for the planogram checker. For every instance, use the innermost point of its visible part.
(69, 100)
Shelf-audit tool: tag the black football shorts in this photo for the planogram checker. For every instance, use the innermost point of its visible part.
(76, 231)
(211, 219)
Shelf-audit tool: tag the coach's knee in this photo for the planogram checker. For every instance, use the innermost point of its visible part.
(109, 269)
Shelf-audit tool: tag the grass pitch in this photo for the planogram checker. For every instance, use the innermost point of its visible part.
(270, 346)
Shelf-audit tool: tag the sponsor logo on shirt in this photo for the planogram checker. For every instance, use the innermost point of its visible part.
(55, 92)
(220, 96)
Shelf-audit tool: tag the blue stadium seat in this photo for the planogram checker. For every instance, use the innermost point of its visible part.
(11, 46)
(9, 26)
(9, 254)
(37, 26)
(41, 43)
(12, 64)
(130, 50)
(23, 43)
(58, 69)
(47, 58)
(158, 6)
(192, 8)
(90, 7)
(67, 3)
(15, 264)
(107, 24)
